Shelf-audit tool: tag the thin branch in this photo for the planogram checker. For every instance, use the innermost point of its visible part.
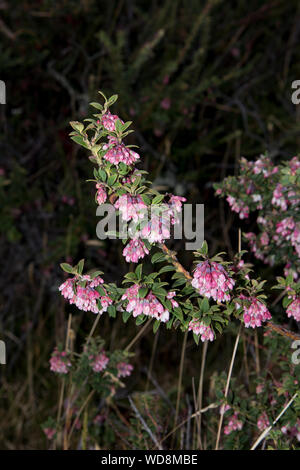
(144, 424)
(227, 386)
(266, 431)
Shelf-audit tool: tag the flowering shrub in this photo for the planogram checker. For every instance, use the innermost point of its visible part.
(215, 296)
(272, 193)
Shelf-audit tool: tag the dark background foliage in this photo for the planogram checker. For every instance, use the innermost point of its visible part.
(204, 83)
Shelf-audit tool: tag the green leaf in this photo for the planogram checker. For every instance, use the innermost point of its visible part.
(112, 179)
(196, 338)
(79, 140)
(101, 291)
(118, 126)
(140, 319)
(77, 126)
(204, 248)
(112, 100)
(158, 258)
(156, 325)
(143, 291)
(80, 266)
(158, 199)
(125, 316)
(179, 282)
(95, 274)
(102, 174)
(167, 268)
(146, 199)
(96, 105)
(178, 313)
(112, 311)
(131, 276)
(204, 305)
(67, 268)
(138, 271)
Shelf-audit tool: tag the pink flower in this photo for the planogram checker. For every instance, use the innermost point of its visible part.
(50, 433)
(295, 238)
(278, 198)
(259, 388)
(148, 306)
(101, 195)
(135, 250)
(292, 431)
(199, 328)
(285, 227)
(165, 103)
(265, 166)
(233, 424)
(175, 207)
(238, 206)
(117, 152)
(131, 207)
(294, 164)
(289, 270)
(263, 421)
(99, 362)
(85, 296)
(264, 239)
(293, 309)
(170, 296)
(157, 229)
(212, 280)
(252, 240)
(255, 312)
(224, 408)
(109, 121)
(124, 369)
(59, 362)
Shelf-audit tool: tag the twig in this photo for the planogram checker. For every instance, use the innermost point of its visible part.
(195, 415)
(144, 424)
(200, 391)
(180, 377)
(266, 431)
(139, 334)
(227, 386)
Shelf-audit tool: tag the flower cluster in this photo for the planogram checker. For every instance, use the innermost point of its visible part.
(117, 152)
(255, 312)
(234, 424)
(293, 310)
(292, 431)
(135, 250)
(148, 305)
(109, 121)
(98, 362)
(277, 203)
(157, 229)
(199, 328)
(175, 207)
(82, 291)
(239, 207)
(60, 362)
(101, 195)
(124, 369)
(131, 207)
(170, 296)
(212, 280)
(50, 433)
(263, 421)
